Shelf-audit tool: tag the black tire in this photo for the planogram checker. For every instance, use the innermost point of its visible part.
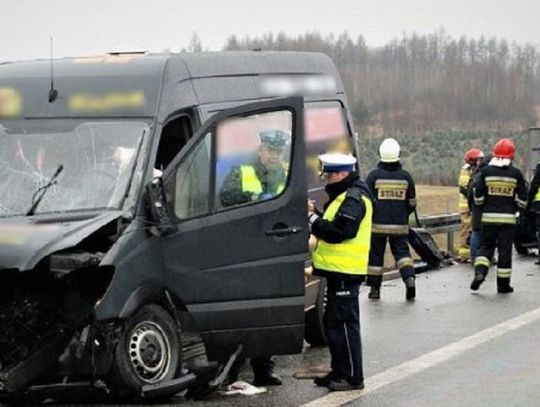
(315, 334)
(148, 351)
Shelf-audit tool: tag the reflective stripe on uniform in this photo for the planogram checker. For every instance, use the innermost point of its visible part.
(481, 261)
(391, 183)
(479, 200)
(352, 255)
(494, 217)
(375, 271)
(412, 202)
(521, 204)
(390, 229)
(501, 180)
(504, 273)
(405, 262)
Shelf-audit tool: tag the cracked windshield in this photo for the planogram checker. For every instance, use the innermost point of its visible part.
(94, 162)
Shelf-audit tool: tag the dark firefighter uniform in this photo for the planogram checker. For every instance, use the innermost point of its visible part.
(500, 190)
(341, 255)
(394, 199)
(534, 200)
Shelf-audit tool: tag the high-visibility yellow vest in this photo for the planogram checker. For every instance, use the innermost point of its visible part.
(252, 183)
(350, 256)
(537, 196)
(464, 177)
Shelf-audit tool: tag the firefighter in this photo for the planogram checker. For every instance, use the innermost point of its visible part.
(500, 190)
(534, 200)
(341, 255)
(394, 200)
(472, 158)
(476, 212)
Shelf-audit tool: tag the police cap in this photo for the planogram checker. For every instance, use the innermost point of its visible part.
(277, 139)
(337, 162)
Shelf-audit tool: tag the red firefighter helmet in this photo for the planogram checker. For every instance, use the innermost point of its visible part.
(472, 155)
(504, 148)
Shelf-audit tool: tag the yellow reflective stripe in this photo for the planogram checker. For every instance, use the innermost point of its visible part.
(521, 204)
(405, 262)
(508, 218)
(394, 182)
(503, 180)
(350, 256)
(504, 273)
(481, 261)
(390, 229)
(250, 181)
(375, 271)
(537, 196)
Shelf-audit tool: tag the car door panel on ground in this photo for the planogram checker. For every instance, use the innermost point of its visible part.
(239, 193)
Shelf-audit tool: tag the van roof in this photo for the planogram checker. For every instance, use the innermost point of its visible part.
(130, 75)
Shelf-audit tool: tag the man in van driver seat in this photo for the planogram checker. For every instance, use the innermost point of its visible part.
(262, 179)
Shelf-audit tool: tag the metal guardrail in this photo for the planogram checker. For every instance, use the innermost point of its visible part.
(442, 223)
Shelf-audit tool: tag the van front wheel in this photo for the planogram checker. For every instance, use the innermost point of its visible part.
(148, 351)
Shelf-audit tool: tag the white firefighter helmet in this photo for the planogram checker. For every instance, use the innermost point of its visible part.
(389, 150)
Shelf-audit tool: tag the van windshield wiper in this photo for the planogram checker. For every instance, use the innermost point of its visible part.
(43, 190)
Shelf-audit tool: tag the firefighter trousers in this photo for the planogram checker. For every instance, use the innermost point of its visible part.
(464, 250)
(399, 246)
(342, 325)
(500, 237)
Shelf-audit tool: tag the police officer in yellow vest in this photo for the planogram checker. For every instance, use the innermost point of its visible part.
(534, 199)
(261, 178)
(341, 255)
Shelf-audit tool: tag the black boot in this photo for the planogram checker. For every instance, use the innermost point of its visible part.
(477, 281)
(410, 292)
(374, 293)
(503, 286)
(266, 379)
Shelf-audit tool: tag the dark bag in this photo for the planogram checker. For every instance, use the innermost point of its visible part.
(423, 244)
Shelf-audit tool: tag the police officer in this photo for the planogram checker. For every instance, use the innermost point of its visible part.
(500, 190)
(341, 255)
(534, 200)
(263, 178)
(394, 199)
(472, 158)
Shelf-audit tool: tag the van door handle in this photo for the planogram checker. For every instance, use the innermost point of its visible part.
(282, 231)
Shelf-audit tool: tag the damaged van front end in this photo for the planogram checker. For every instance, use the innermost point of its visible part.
(68, 194)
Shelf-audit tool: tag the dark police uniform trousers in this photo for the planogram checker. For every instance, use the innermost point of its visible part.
(342, 324)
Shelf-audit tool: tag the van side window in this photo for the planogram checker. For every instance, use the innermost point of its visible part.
(253, 158)
(193, 181)
(174, 136)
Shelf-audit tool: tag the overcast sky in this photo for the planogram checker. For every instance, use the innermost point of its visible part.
(83, 27)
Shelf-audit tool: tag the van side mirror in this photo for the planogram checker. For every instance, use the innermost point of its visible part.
(159, 212)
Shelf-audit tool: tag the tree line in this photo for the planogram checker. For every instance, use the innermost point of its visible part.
(426, 82)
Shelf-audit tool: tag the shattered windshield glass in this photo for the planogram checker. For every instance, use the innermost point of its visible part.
(97, 157)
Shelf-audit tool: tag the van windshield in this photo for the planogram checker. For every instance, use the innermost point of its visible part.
(97, 157)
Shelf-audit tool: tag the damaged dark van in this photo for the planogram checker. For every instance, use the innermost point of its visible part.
(123, 270)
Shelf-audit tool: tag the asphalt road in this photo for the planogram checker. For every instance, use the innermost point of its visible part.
(451, 347)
